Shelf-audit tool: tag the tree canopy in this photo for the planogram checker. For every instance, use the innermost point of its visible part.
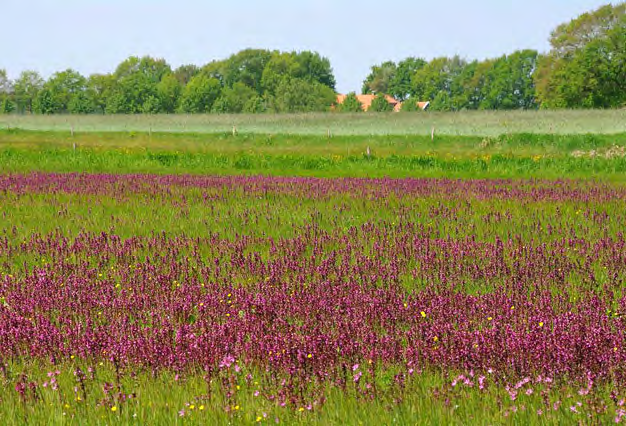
(586, 67)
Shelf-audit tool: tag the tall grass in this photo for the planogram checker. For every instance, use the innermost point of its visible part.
(482, 123)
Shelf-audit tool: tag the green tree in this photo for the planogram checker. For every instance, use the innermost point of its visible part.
(82, 103)
(410, 105)
(216, 70)
(255, 105)
(152, 105)
(131, 93)
(6, 85)
(246, 67)
(152, 68)
(234, 99)
(136, 90)
(306, 66)
(100, 88)
(570, 37)
(200, 94)
(45, 102)
(59, 90)
(26, 89)
(315, 68)
(298, 95)
(351, 104)
(380, 104)
(169, 90)
(400, 84)
(185, 73)
(7, 106)
(281, 66)
(585, 67)
(380, 78)
(438, 82)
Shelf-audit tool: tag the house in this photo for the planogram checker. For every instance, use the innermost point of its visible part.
(366, 102)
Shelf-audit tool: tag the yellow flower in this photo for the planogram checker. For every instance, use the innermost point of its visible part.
(541, 324)
(489, 319)
(72, 357)
(258, 419)
(191, 407)
(405, 305)
(201, 408)
(236, 407)
(300, 409)
(309, 356)
(423, 314)
(512, 307)
(435, 338)
(114, 408)
(66, 406)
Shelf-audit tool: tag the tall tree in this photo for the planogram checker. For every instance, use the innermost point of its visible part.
(298, 95)
(200, 94)
(438, 82)
(315, 68)
(185, 73)
(169, 90)
(246, 67)
(351, 104)
(59, 90)
(380, 104)
(400, 84)
(26, 89)
(152, 68)
(380, 78)
(100, 88)
(7, 106)
(6, 85)
(234, 99)
(585, 66)
(281, 66)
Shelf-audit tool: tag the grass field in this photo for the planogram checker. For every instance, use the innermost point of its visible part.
(478, 123)
(205, 278)
(507, 156)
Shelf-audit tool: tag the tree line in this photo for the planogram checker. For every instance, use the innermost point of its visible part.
(585, 68)
(252, 81)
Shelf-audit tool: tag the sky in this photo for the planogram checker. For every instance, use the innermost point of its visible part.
(95, 35)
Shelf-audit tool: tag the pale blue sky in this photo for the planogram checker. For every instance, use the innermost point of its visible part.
(95, 35)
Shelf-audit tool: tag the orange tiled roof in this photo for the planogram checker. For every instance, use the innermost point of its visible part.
(366, 101)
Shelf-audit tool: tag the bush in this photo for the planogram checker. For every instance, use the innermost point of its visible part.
(351, 104)
(380, 104)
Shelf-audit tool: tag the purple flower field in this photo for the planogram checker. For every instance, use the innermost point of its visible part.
(327, 306)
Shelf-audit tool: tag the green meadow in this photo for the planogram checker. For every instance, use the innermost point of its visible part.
(524, 155)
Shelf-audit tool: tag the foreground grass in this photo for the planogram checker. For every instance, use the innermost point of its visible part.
(101, 394)
(482, 123)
